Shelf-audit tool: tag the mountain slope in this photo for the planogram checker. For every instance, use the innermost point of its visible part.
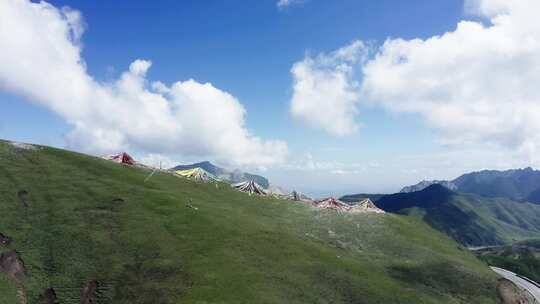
(470, 219)
(533, 197)
(513, 184)
(231, 176)
(78, 221)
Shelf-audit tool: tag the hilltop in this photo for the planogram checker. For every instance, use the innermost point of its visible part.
(79, 222)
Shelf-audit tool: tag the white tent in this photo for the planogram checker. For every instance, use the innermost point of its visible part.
(333, 204)
(365, 206)
(250, 187)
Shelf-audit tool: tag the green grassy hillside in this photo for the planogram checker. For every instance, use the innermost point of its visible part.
(74, 219)
(470, 219)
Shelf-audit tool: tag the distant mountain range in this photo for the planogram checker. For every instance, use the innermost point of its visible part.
(235, 176)
(470, 219)
(424, 184)
(480, 208)
(516, 184)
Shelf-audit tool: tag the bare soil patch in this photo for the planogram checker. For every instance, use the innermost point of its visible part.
(509, 293)
(89, 292)
(13, 266)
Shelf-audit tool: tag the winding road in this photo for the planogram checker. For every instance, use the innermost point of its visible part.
(532, 287)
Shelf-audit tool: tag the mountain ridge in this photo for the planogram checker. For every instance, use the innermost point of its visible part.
(470, 219)
(426, 183)
(515, 184)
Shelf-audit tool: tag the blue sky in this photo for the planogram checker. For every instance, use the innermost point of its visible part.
(248, 48)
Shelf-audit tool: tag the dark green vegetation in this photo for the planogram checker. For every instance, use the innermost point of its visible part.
(470, 219)
(231, 176)
(82, 219)
(522, 258)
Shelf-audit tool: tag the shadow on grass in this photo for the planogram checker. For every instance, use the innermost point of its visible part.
(146, 280)
(442, 278)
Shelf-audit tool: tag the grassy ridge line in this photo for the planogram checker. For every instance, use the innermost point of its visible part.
(233, 249)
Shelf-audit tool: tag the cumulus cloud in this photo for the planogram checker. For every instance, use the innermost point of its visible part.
(478, 83)
(158, 161)
(490, 8)
(325, 91)
(43, 63)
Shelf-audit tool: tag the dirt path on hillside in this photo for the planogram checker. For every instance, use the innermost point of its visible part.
(12, 265)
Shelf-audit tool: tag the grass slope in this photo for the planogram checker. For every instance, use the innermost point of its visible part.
(234, 248)
(470, 219)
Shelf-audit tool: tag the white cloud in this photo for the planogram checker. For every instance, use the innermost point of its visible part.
(286, 3)
(325, 91)
(158, 160)
(308, 163)
(478, 83)
(283, 3)
(43, 63)
(489, 8)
